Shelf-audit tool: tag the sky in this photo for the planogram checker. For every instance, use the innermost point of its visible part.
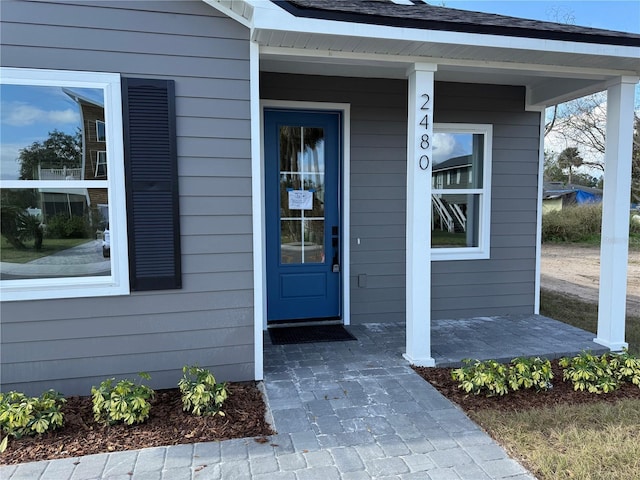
(29, 113)
(622, 15)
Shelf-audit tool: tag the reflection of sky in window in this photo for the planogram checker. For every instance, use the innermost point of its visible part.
(313, 158)
(29, 113)
(451, 145)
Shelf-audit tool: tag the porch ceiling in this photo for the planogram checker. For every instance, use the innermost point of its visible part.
(549, 76)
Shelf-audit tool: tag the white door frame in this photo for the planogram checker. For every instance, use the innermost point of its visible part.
(259, 220)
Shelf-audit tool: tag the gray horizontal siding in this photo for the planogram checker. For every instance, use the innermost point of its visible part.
(502, 284)
(378, 182)
(72, 344)
(505, 282)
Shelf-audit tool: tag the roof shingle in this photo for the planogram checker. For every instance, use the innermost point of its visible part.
(430, 17)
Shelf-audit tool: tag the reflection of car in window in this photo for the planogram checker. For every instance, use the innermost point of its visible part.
(106, 244)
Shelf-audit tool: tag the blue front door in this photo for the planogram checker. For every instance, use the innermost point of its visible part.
(302, 164)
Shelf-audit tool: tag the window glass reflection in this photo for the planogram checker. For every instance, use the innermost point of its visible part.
(53, 232)
(455, 220)
(52, 133)
(302, 165)
(457, 160)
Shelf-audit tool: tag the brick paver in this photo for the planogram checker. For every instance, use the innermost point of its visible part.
(349, 411)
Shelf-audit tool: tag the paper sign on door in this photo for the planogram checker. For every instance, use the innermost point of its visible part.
(300, 200)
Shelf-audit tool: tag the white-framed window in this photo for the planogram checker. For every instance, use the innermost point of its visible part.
(461, 211)
(101, 133)
(101, 164)
(53, 206)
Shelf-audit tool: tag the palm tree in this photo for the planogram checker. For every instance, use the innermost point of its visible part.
(570, 158)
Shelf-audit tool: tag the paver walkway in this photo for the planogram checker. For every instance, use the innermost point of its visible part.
(347, 410)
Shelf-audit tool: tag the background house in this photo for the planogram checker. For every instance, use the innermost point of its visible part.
(557, 195)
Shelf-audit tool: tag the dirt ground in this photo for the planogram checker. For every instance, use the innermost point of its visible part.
(575, 270)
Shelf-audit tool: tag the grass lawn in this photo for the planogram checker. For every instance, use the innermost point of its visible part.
(599, 441)
(584, 315)
(594, 240)
(440, 238)
(596, 441)
(49, 246)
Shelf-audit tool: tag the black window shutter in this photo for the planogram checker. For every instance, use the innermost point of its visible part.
(153, 215)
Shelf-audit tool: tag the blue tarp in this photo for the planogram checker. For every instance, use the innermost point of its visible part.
(586, 197)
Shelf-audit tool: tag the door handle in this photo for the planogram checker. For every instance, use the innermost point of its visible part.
(335, 242)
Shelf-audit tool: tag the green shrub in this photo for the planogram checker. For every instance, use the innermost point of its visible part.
(21, 415)
(201, 395)
(590, 372)
(487, 377)
(572, 224)
(530, 373)
(65, 226)
(634, 224)
(125, 401)
(492, 378)
(625, 367)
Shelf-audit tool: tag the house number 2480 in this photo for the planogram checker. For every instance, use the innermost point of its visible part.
(423, 162)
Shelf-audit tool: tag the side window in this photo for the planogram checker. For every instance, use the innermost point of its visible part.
(460, 207)
(62, 171)
(101, 132)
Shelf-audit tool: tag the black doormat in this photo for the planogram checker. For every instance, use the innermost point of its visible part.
(310, 334)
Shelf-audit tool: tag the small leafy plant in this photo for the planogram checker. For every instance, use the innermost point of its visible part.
(626, 367)
(21, 415)
(487, 377)
(590, 372)
(201, 395)
(125, 401)
(530, 372)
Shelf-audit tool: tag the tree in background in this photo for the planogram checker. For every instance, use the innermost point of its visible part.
(554, 172)
(582, 122)
(59, 150)
(569, 159)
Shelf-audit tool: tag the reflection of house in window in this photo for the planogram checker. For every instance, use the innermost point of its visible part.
(457, 171)
(94, 156)
(460, 200)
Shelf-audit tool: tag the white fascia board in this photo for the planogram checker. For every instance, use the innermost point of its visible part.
(270, 17)
(238, 10)
(538, 70)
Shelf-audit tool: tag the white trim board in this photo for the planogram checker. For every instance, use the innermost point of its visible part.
(536, 302)
(259, 217)
(257, 213)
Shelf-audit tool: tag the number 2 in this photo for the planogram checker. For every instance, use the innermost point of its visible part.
(428, 99)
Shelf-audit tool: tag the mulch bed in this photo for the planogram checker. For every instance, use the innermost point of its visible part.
(245, 418)
(167, 425)
(562, 393)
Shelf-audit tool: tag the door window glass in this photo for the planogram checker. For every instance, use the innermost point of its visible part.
(302, 217)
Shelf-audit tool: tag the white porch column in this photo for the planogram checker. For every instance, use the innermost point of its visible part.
(615, 214)
(418, 275)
